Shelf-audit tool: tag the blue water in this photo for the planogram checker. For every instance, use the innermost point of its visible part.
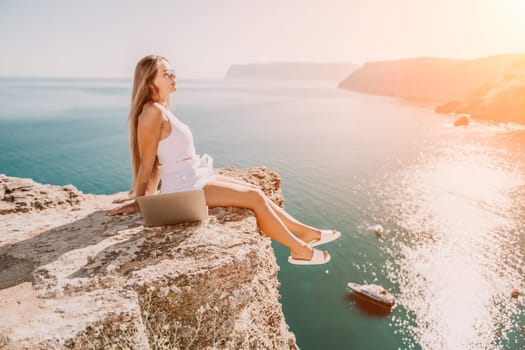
(451, 200)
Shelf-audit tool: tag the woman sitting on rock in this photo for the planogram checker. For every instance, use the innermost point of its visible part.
(160, 142)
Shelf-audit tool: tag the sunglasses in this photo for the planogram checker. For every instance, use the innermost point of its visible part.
(169, 73)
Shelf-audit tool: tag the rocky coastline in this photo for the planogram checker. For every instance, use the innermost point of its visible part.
(489, 88)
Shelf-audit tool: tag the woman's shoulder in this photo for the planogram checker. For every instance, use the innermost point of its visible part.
(151, 107)
(150, 113)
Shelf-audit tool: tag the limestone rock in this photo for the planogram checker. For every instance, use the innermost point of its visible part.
(461, 121)
(76, 279)
(25, 195)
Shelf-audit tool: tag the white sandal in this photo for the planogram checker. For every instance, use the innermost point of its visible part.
(326, 236)
(317, 259)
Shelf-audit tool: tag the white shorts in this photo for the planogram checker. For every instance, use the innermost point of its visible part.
(187, 175)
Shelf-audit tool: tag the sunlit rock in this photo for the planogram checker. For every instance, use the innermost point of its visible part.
(462, 121)
(72, 277)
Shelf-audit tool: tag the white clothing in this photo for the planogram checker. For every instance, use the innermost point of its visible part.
(181, 169)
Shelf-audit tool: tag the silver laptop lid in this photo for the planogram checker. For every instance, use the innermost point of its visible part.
(173, 208)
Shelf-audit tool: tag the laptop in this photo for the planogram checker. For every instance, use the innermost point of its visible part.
(173, 208)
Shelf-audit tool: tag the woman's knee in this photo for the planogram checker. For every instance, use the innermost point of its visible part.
(257, 197)
(232, 179)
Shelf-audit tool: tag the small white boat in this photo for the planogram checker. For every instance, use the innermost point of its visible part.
(374, 293)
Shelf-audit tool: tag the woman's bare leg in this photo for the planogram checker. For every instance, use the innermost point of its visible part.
(305, 232)
(227, 194)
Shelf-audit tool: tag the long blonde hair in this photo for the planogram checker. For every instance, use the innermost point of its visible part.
(144, 91)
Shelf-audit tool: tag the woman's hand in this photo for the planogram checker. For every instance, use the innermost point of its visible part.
(124, 210)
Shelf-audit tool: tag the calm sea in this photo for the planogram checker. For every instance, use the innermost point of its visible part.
(451, 200)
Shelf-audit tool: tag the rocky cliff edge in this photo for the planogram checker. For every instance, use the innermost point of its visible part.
(73, 278)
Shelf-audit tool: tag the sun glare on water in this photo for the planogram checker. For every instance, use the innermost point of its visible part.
(456, 219)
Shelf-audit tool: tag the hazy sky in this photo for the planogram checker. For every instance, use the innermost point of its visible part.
(95, 38)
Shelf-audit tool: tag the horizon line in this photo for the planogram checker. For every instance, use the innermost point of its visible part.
(260, 63)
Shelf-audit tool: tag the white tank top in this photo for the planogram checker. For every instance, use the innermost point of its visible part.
(178, 145)
(181, 169)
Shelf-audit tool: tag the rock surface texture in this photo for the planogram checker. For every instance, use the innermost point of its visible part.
(73, 278)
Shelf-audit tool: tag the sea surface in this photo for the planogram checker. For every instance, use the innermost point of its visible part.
(451, 200)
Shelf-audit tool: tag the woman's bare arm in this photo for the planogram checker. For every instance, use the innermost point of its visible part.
(154, 180)
(148, 136)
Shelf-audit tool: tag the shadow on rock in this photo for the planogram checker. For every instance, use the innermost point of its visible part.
(18, 260)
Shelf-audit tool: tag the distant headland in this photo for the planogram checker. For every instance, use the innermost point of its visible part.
(292, 71)
(490, 88)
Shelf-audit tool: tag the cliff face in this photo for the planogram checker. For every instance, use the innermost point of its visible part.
(502, 100)
(301, 71)
(428, 79)
(422, 79)
(73, 278)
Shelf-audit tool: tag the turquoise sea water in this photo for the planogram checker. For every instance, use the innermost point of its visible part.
(451, 200)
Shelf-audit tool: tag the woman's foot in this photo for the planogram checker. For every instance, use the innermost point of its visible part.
(327, 236)
(306, 253)
(308, 256)
(309, 235)
(312, 235)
